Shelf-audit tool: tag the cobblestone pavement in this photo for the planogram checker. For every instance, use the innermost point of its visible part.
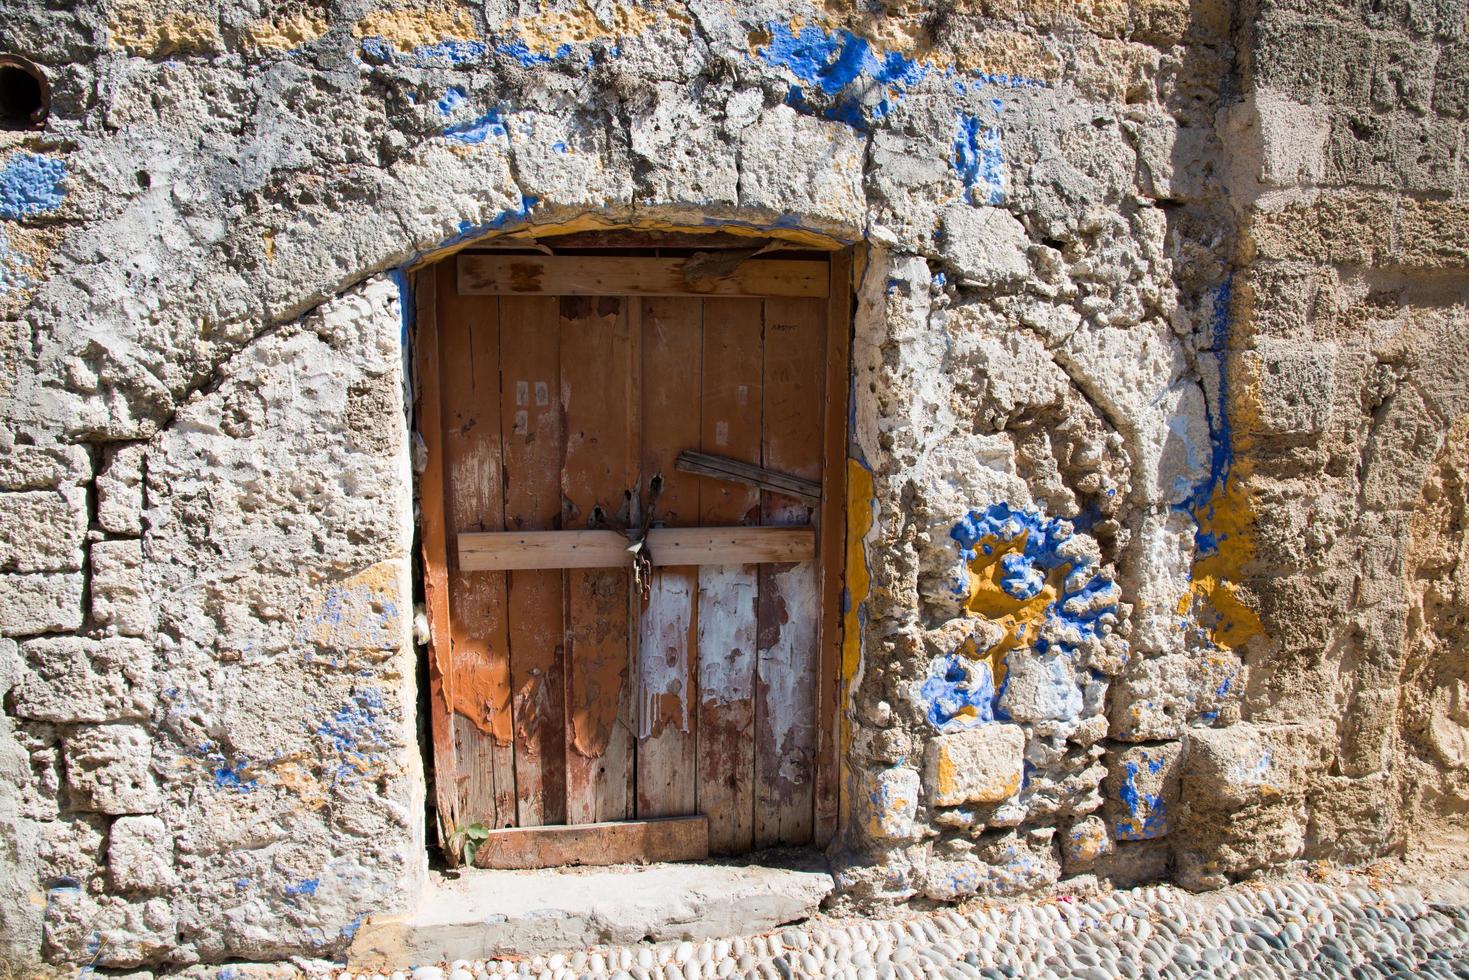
(1348, 927)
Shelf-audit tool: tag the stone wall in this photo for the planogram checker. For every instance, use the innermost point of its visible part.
(1156, 454)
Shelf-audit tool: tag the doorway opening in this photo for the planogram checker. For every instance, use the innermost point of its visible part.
(632, 520)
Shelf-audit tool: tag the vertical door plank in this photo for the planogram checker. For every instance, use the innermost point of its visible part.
(435, 554)
(599, 470)
(667, 671)
(831, 544)
(727, 593)
(785, 682)
(470, 384)
(531, 434)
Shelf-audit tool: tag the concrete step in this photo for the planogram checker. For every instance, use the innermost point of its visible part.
(478, 914)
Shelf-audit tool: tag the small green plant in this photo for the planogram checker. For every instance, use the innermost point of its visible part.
(466, 839)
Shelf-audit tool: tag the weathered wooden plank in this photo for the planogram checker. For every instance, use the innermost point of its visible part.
(505, 550)
(470, 383)
(735, 471)
(832, 520)
(578, 275)
(599, 471)
(785, 692)
(530, 417)
(435, 554)
(616, 842)
(727, 592)
(672, 345)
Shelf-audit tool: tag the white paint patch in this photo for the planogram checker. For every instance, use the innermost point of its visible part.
(785, 665)
(727, 595)
(663, 652)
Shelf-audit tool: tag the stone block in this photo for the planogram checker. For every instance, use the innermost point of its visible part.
(686, 158)
(120, 492)
(140, 855)
(40, 603)
(44, 467)
(1084, 842)
(109, 769)
(1159, 698)
(1041, 687)
(1008, 863)
(1247, 764)
(1451, 81)
(1394, 150)
(985, 246)
(73, 679)
(42, 531)
(981, 765)
(1133, 863)
(889, 803)
(120, 596)
(71, 847)
(107, 931)
(1353, 821)
(792, 163)
(1141, 790)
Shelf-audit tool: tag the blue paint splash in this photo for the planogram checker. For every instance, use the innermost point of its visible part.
(306, 886)
(843, 79)
(522, 53)
(453, 98)
(979, 160)
(30, 184)
(357, 732)
(229, 774)
(959, 693)
(478, 130)
(439, 54)
(1088, 601)
(1148, 811)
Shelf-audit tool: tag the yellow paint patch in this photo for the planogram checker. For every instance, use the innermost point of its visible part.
(408, 27)
(1212, 602)
(364, 612)
(286, 31)
(267, 241)
(1020, 619)
(155, 29)
(25, 254)
(580, 25)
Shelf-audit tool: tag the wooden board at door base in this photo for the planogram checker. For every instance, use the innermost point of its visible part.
(561, 693)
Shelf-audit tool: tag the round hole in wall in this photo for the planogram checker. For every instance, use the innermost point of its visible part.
(25, 94)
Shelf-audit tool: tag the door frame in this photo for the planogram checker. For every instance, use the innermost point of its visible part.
(831, 546)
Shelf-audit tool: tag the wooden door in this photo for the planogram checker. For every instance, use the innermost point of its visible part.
(556, 396)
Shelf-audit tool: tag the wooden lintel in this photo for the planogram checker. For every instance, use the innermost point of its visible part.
(493, 551)
(578, 275)
(614, 842)
(735, 471)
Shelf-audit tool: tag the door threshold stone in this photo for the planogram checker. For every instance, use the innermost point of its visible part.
(476, 914)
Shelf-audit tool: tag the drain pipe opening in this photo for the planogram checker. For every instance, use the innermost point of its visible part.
(25, 94)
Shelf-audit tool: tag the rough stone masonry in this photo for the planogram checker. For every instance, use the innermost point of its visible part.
(1159, 451)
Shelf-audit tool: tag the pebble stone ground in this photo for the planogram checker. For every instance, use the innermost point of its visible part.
(1348, 926)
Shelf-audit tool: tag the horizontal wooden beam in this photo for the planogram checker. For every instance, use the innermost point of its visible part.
(735, 471)
(496, 551)
(578, 275)
(620, 842)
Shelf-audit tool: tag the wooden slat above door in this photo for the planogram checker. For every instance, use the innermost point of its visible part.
(576, 275)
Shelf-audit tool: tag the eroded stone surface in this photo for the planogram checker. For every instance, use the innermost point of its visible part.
(1157, 431)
